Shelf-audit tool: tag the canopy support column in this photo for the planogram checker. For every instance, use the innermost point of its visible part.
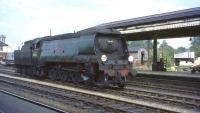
(154, 65)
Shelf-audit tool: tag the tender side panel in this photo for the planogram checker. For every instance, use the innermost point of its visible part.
(68, 50)
(59, 50)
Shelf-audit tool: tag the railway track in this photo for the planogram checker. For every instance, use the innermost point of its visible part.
(166, 82)
(157, 95)
(183, 90)
(93, 101)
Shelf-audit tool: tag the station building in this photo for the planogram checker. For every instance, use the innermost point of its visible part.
(185, 58)
(4, 48)
(140, 56)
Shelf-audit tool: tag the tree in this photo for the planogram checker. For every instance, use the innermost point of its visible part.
(181, 50)
(195, 46)
(167, 52)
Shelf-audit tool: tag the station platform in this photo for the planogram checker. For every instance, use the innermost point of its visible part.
(170, 75)
(11, 104)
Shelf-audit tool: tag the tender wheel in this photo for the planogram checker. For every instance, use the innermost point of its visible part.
(193, 71)
(121, 85)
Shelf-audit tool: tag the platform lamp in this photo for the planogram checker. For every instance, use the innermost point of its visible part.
(190, 39)
(189, 54)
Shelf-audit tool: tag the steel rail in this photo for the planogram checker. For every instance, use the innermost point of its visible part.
(149, 95)
(100, 94)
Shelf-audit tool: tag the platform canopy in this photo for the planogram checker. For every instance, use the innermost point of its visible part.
(182, 23)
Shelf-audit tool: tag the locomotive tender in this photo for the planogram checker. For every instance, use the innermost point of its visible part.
(98, 56)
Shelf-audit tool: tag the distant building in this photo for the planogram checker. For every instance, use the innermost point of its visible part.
(9, 58)
(197, 61)
(186, 58)
(2, 42)
(4, 48)
(140, 56)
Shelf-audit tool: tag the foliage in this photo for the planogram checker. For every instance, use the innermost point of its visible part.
(195, 46)
(181, 50)
(164, 51)
(167, 52)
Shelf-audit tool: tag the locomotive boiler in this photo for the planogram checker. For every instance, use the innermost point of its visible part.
(97, 56)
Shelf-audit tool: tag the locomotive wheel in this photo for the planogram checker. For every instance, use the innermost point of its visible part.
(20, 70)
(33, 71)
(90, 77)
(17, 70)
(67, 76)
(23, 71)
(56, 75)
(40, 73)
(59, 75)
(75, 77)
(70, 75)
(63, 76)
(28, 71)
(103, 78)
(51, 73)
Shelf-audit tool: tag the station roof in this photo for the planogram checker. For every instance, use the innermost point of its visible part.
(193, 12)
(182, 23)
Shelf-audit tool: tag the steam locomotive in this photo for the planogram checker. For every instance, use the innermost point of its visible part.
(97, 56)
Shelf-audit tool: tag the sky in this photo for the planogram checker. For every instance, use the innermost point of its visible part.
(22, 20)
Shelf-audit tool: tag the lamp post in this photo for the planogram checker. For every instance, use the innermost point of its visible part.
(50, 32)
(189, 54)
